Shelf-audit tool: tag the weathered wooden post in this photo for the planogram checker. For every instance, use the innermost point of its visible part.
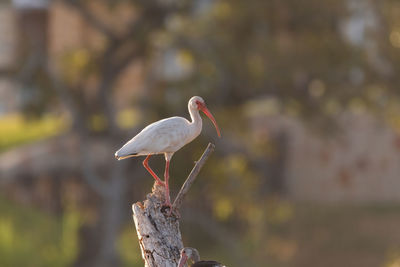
(157, 229)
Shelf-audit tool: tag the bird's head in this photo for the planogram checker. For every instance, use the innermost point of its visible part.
(198, 103)
(188, 253)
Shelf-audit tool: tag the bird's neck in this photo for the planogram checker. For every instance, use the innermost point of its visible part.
(195, 256)
(195, 116)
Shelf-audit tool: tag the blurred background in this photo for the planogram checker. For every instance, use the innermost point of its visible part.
(307, 172)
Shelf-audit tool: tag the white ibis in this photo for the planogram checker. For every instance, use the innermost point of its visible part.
(192, 253)
(166, 137)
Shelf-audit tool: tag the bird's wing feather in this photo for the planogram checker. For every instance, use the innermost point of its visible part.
(161, 136)
(167, 135)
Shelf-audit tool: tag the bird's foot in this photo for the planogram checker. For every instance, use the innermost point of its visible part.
(166, 206)
(171, 211)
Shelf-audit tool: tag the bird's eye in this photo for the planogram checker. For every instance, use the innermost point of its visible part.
(199, 104)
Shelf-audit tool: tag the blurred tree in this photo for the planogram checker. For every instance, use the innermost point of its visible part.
(308, 59)
(94, 114)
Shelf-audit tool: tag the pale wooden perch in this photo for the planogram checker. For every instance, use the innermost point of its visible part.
(158, 232)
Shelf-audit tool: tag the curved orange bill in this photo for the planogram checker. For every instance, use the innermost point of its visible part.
(211, 117)
(182, 261)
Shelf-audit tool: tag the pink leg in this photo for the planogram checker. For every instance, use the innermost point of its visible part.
(166, 175)
(146, 165)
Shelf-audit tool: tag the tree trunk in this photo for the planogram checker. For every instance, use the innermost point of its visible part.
(158, 232)
(112, 219)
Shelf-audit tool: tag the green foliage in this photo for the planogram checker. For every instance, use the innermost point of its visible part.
(16, 130)
(295, 52)
(128, 247)
(29, 237)
(32, 238)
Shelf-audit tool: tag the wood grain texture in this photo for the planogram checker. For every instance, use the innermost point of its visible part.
(157, 229)
(158, 232)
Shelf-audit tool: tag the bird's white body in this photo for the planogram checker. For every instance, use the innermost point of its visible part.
(162, 137)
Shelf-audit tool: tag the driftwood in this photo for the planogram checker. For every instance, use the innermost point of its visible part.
(157, 228)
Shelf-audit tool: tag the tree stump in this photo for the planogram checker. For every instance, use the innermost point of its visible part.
(157, 228)
(158, 232)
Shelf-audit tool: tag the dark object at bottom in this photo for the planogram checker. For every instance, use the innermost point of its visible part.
(192, 254)
(207, 264)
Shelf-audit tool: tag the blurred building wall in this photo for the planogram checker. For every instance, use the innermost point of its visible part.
(358, 164)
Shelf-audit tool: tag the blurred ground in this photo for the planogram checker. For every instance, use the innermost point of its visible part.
(339, 236)
(314, 235)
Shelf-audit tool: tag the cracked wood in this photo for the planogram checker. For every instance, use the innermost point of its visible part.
(158, 231)
(159, 235)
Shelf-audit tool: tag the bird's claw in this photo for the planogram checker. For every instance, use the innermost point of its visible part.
(171, 210)
(166, 206)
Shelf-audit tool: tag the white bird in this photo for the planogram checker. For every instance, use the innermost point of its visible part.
(166, 137)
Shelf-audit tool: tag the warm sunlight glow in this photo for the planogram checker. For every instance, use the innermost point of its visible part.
(395, 38)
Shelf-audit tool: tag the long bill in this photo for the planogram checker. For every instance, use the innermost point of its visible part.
(182, 261)
(211, 117)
